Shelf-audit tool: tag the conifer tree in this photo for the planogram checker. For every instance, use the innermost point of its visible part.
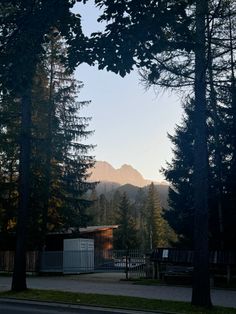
(23, 26)
(93, 211)
(125, 237)
(179, 172)
(64, 163)
(9, 156)
(140, 214)
(59, 162)
(154, 220)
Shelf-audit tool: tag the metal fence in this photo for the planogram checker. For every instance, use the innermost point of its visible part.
(7, 261)
(51, 261)
(133, 262)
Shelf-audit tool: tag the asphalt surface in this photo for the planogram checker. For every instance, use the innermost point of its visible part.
(25, 307)
(110, 284)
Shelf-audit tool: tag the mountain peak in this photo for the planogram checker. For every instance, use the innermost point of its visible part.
(126, 166)
(126, 174)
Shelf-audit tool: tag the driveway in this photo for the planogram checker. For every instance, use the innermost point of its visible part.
(112, 285)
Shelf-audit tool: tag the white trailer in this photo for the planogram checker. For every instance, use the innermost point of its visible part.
(78, 256)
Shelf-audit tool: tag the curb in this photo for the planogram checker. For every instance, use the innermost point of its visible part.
(74, 307)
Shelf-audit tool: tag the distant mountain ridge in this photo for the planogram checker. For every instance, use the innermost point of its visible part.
(132, 191)
(126, 174)
(125, 179)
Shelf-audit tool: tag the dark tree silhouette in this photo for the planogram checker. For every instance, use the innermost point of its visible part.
(201, 282)
(23, 28)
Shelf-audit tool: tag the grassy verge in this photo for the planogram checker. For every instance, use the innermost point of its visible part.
(155, 282)
(148, 282)
(114, 301)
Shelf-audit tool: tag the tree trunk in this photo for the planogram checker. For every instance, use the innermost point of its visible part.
(49, 142)
(233, 132)
(201, 280)
(218, 155)
(19, 274)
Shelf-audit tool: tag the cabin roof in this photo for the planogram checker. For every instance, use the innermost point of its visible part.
(88, 229)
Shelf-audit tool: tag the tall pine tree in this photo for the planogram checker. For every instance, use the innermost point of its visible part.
(125, 237)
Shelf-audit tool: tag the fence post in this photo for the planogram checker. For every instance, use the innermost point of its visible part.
(228, 276)
(127, 265)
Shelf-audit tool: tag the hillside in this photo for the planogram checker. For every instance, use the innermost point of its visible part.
(132, 191)
(125, 179)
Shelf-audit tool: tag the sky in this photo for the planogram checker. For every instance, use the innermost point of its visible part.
(130, 123)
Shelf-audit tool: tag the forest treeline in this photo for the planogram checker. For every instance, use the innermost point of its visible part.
(139, 213)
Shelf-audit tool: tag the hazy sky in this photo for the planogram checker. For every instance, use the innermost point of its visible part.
(130, 124)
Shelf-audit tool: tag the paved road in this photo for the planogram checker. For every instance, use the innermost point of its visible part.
(28, 307)
(93, 284)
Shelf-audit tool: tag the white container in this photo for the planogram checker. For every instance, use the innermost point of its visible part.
(78, 256)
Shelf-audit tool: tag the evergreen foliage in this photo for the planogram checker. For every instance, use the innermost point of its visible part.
(220, 117)
(125, 237)
(154, 220)
(9, 162)
(179, 173)
(59, 160)
(145, 209)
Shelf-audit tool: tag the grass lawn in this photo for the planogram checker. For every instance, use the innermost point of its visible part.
(114, 301)
(154, 282)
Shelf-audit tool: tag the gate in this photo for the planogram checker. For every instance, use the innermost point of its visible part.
(133, 263)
